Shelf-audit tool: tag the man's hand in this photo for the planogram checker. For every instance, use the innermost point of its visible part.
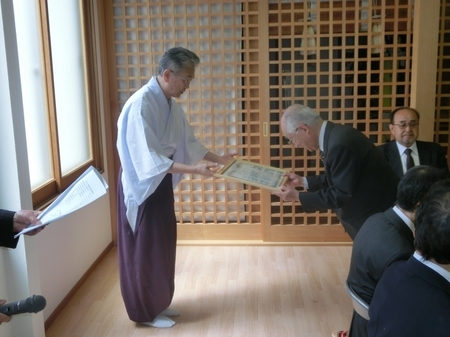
(22, 219)
(207, 170)
(287, 193)
(294, 180)
(223, 160)
(4, 318)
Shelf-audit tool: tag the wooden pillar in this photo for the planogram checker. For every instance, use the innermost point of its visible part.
(424, 64)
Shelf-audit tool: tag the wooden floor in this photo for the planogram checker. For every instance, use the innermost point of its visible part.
(243, 290)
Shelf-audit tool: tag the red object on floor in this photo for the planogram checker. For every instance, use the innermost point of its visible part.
(341, 334)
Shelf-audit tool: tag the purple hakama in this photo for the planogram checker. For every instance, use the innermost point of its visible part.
(147, 257)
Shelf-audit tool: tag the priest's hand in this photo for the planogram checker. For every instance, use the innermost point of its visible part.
(207, 170)
(226, 158)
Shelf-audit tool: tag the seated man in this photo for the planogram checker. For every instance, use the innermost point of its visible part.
(387, 237)
(404, 126)
(413, 296)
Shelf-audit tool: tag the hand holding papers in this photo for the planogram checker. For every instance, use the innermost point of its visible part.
(87, 188)
(258, 175)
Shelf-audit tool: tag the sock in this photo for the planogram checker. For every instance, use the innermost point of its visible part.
(161, 322)
(171, 312)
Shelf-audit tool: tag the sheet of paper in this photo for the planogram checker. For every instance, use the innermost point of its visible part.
(88, 187)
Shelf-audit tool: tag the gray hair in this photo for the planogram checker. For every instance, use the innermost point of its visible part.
(177, 59)
(299, 114)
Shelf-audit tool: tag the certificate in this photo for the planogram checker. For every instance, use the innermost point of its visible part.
(259, 175)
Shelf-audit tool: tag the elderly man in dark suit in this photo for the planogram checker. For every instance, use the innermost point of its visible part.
(405, 151)
(357, 182)
(413, 296)
(387, 237)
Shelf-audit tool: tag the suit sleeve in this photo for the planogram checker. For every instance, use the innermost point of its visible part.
(6, 229)
(316, 183)
(343, 170)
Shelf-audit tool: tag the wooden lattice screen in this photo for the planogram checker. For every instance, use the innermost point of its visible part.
(222, 103)
(349, 60)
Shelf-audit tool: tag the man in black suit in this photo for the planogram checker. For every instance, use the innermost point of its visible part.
(357, 182)
(387, 237)
(413, 296)
(404, 126)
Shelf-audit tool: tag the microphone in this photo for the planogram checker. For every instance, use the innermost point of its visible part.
(34, 304)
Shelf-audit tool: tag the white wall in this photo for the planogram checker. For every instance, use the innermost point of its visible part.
(51, 263)
(68, 247)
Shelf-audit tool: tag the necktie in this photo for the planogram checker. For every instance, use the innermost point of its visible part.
(409, 159)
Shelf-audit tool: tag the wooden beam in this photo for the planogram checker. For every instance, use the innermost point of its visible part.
(424, 63)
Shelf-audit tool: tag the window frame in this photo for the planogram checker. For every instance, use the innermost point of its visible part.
(46, 193)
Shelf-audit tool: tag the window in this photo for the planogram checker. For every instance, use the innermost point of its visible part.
(59, 96)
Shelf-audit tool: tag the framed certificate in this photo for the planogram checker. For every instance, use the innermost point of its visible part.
(254, 174)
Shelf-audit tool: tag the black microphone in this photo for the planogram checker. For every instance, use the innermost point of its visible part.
(34, 304)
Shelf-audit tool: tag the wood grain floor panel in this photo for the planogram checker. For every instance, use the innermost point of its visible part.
(221, 291)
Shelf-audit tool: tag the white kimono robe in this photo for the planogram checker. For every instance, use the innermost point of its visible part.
(151, 130)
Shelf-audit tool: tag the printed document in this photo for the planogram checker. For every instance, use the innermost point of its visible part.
(86, 189)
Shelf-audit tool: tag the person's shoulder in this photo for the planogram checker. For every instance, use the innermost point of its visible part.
(386, 147)
(372, 226)
(396, 270)
(342, 131)
(387, 224)
(428, 145)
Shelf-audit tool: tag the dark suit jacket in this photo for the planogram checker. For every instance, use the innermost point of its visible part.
(357, 182)
(382, 240)
(431, 154)
(411, 300)
(6, 229)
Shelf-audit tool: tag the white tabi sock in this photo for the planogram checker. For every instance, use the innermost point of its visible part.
(161, 322)
(171, 312)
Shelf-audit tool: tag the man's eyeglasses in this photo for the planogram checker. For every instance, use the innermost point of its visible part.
(403, 126)
(291, 141)
(186, 80)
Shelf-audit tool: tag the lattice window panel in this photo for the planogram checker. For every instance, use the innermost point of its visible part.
(222, 102)
(442, 126)
(348, 60)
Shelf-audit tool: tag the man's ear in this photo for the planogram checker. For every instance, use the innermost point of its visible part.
(304, 127)
(391, 127)
(166, 74)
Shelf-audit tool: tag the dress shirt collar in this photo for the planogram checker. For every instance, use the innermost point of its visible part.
(438, 269)
(405, 219)
(402, 148)
(322, 135)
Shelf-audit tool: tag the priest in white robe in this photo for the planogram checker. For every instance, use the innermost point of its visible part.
(156, 147)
